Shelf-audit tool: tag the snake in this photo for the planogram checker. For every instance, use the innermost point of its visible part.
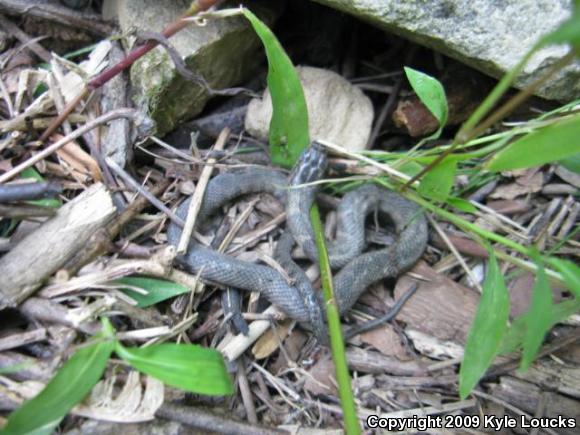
(357, 269)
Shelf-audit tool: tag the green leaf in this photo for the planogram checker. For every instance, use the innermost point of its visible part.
(570, 272)
(289, 125)
(157, 290)
(572, 163)
(431, 93)
(515, 335)
(48, 202)
(410, 168)
(462, 205)
(437, 183)
(539, 320)
(488, 329)
(186, 366)
(554, 142)
(72, 383)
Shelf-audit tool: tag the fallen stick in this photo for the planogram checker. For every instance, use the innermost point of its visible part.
(48, 248)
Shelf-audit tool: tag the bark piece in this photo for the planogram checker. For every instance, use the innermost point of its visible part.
(49, 247)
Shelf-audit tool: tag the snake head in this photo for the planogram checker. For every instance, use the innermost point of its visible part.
(310, 166)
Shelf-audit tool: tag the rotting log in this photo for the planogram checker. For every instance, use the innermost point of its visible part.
(49, 247)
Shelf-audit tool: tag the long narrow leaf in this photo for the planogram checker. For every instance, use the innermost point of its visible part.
(540, 316)
(289, 126)
(157, 289)
(488, 329)
(186, 366)
(71, 384)
(570, 272)
(554, 142)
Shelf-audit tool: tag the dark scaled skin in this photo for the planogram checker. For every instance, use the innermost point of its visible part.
(358, 270)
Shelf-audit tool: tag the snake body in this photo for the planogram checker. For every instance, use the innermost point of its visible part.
(358, 270)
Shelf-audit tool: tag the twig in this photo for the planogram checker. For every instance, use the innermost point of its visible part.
(100, 242)
(51, 245)
(197, 198)
(28, 191)
(109, 73)
(386, 110)
(142, 191)
(25, 211)
(114, 114)
(53, 11)
(457, 255)
(34, 46)
(465, 136)
(509, 406)
(201, 419)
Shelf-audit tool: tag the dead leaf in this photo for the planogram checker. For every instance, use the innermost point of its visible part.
(522, 186)
(386, 341)
(320, 377)
(268, 343)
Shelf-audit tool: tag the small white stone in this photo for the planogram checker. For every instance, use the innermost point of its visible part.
(338, 111)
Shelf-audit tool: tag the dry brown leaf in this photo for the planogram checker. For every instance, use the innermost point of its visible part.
(268, 343)
(522, 186)
(78, 159)
(133, 404)
(386, 341)
(320, 377)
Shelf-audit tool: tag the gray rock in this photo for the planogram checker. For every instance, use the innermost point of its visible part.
(491, 36)
(338, 111)
(224, 52)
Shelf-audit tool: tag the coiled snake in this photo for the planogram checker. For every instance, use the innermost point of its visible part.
(358, 269)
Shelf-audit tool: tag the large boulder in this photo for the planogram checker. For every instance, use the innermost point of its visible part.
(491, 36)
(224, 52)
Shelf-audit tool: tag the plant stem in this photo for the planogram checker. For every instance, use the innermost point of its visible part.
(109, 73)
(351, 423)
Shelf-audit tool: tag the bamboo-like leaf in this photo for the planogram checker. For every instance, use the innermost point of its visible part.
(514, 338)
(186, 366)
(540, 318)
(570, 272)
(572, 163)
(487, 330)
(157, 290)
(462, 204)
(555, 142)
(289, 133)
(438, 182)
(71, 384)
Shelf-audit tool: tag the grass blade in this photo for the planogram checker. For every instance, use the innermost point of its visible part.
(186, 366)
(488, 329)
(71, 384)
(347, 403)
(157, 290)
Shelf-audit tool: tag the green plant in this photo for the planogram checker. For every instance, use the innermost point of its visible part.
(189, 367)
(288, 137)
